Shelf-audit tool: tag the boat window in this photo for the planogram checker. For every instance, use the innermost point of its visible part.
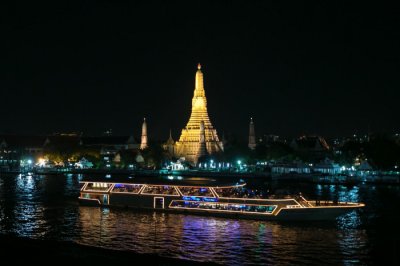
(239, 192)
(160, 190)
(127, 188)
(98, 186)
(228, 207)
(196, 191)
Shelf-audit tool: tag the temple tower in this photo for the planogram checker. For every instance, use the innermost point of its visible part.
(143, 142)
(252, 136)
(188, 145)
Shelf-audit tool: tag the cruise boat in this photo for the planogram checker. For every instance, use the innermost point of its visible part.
(208, 197)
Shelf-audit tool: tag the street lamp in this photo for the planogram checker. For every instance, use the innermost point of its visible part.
(239, 162)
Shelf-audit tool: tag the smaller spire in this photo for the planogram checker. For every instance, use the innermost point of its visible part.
(143, 142)
(198, 66)
(252, 138)
(170, 141)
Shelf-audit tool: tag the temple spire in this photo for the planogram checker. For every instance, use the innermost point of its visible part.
(143, 142)
(199, 88)
(170, 135)
(199, 137)
(252, 136)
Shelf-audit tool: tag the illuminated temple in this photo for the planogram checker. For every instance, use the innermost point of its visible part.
(199, 137)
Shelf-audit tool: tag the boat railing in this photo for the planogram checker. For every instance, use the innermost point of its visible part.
(305, 203)
(293, 206)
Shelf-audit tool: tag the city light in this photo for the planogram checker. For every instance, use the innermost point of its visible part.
(41, 162)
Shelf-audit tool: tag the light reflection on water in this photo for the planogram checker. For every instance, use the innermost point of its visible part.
(45, 207)
(185, 236)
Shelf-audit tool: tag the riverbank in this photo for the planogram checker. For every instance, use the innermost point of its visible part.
(337, 179)
(17, 250)
(314, 178)
(143, 173)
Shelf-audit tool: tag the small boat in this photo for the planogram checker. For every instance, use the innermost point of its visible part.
(208, 197)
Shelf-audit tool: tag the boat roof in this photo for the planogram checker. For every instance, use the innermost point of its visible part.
(169, 180)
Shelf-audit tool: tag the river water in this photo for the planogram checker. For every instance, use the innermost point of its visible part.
(45, 207)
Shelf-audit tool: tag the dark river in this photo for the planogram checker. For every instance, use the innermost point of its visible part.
(45, 207)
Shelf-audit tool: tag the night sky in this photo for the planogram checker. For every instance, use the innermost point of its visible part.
(316, 68)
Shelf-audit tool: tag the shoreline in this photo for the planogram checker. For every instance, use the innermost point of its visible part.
(150, 173)
(265, 176)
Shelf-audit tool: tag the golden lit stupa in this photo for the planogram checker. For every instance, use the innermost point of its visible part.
(191, 142)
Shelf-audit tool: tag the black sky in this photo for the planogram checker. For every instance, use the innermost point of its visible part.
(330, 68)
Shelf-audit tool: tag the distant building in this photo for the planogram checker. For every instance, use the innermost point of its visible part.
(35, 145)
(14, 148)
(176, 166)
(310, 144)
(84, 163)
(110, 144)
(295, 167)
(327, 166)
(366, 168)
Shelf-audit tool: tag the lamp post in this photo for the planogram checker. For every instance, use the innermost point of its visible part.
(239, 162)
